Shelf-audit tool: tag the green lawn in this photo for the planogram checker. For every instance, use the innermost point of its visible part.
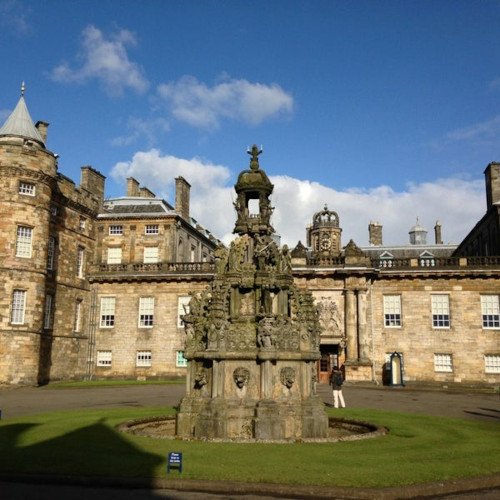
(418, 449)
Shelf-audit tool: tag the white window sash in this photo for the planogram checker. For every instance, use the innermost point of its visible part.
(23, 241)
(107, 313)
(18, 307)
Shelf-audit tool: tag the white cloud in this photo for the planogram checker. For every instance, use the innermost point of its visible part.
(105, 59)
(139, 128)
(198, 105)
(487, 130)
(457, 204)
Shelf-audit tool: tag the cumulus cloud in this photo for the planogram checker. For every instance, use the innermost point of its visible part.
(456, 203)
(199, 105)
(139, 128)
(106, 60)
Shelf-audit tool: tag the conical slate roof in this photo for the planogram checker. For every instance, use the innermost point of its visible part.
(20, 124)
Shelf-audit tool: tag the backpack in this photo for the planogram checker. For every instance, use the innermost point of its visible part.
(337, 379)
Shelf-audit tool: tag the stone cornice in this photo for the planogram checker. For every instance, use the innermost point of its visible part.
(19, 171)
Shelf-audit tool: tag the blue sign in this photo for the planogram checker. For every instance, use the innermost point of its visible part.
(174, 461)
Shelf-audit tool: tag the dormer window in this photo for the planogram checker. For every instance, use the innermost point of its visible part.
(386, 259)
(26, 188)
(426, 259)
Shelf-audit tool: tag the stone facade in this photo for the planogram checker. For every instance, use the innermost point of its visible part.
(56, 267)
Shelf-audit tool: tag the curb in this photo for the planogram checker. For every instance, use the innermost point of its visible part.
(428, 490)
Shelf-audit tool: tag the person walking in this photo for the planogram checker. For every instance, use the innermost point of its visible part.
(336, 381)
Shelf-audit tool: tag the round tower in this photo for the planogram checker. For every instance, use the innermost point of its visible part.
(324, 233)
(27, 180)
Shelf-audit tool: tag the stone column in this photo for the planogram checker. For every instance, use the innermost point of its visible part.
(362, 326)
(215, 378)
(350, 326)
(266, 380)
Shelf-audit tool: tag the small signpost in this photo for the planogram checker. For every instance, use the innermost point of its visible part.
(174, 461)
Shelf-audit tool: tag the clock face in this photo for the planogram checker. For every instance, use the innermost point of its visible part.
(325, 244)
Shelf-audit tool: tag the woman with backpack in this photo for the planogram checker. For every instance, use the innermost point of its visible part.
(336, 381)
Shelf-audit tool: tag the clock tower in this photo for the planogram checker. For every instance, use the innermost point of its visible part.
(323, 236)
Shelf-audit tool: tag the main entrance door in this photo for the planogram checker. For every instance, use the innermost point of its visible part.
(329, 359)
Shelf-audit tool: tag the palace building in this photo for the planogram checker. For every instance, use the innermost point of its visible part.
(96, 288)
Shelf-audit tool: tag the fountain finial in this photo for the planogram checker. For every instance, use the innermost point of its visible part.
(254, 153)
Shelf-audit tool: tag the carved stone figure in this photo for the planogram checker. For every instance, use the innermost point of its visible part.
(287, 376)
(241, 376)
(200, 379)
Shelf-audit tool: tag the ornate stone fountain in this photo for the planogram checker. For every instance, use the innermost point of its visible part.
(252, 336)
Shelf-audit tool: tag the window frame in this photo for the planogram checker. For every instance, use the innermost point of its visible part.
(440, 320)
(392, 311)
(490, 313)
(146, 312)
(107, 314)
(114, 259)
(443, 362)
(77, 322)
(182, 308)
(143, 358)
(180, 360)
(27, 188)
(47, 313)
(492, 368)
(51, 253)
(24, 242)
(152, 229)
(114, 231)
(104, 358)
(18, 307)
(147, 259)
(80, 261)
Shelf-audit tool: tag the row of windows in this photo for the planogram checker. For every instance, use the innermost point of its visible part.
(145, 313)
(24, 245)
(117, 229)
(143, 359)
(18, 309)
(440, 310)
(150, 256)
(443, 363)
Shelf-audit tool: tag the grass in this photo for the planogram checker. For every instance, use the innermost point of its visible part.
(88, 384)
(418, 449)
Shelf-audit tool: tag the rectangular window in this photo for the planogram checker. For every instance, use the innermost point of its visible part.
(440, 311)
(104, 358)
(180, 360)
(114, 255)
(53, 211)
(47, 317)
(146, 311)
(182, 308)
(82, 223)
(26, 188)
(108, 312)
(492, 363)
(80, 261)
(77, 326)
(23, 241)
(152, 229)
(150, 255)
(490, 309)
(143, 358)
(193, 253)
(18, 307)
(443, 363)
(51, 253)
(392, 310)
(115, 230)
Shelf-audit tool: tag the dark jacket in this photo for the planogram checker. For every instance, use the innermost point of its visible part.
(336, 380)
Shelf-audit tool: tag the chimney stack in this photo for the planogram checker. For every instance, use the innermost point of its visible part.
(375, 234)
(42, 128)
(437, 234)
(182, 193)
(132, 187)
(492, 178)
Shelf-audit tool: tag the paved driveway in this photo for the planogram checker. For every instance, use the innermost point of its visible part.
(30, 400)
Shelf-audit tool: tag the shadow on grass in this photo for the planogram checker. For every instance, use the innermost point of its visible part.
(94, 450)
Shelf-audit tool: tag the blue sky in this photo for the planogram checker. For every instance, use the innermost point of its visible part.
(384, 110)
